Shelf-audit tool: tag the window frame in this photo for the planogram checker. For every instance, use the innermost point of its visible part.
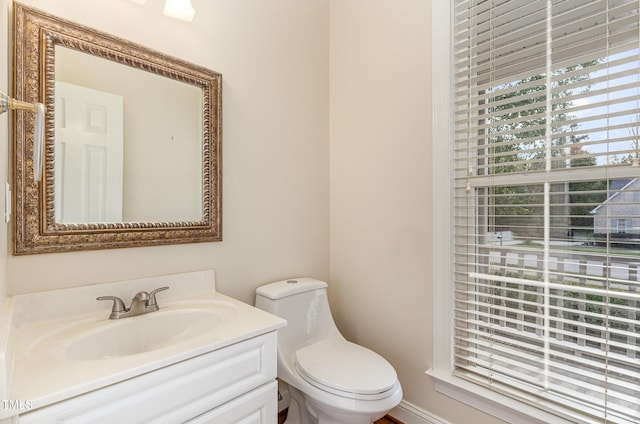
(499, 405)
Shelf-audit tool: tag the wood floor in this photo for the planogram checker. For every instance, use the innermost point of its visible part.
(388, 420)
(384, 420)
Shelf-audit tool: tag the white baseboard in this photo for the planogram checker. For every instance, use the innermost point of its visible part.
(408, 413)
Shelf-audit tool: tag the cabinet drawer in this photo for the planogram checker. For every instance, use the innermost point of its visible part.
(173, 394)
(259, 406)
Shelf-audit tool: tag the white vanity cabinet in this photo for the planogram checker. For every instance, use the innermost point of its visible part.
(203, 357)
(233, 384)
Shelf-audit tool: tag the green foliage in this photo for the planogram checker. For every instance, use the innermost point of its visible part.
(517, 140)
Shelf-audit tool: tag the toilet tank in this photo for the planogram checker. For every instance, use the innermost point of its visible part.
(304, 304)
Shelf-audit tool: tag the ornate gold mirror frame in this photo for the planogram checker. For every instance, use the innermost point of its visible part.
(35, 228)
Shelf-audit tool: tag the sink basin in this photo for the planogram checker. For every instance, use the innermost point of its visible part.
(98, 337)
(143, 333)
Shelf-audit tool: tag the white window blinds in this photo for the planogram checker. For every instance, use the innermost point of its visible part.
(546, 212)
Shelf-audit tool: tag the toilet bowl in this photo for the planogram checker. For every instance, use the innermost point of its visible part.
(331, 380)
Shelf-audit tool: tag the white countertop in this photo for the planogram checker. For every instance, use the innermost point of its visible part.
(39, 373)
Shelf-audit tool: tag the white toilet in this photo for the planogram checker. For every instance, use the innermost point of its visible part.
(330, 380)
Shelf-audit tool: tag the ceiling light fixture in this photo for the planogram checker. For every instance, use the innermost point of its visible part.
(179, 9)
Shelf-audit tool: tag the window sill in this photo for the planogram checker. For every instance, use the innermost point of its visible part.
(492, 403)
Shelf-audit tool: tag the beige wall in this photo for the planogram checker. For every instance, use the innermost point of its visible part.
(381, 189)
(273, 56)
(380, 181)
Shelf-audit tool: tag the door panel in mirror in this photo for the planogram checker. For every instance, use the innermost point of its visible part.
(88, 155)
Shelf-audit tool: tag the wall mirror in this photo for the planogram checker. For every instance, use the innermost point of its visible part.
(132, 146)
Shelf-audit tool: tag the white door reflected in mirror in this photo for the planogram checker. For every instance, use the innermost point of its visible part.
(89, 155)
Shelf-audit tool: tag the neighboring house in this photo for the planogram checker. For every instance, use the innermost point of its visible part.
(620, 213)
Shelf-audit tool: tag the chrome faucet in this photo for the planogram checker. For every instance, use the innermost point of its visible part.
(142, 303)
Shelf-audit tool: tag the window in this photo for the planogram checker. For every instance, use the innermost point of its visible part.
(545, 250)
(620, 225)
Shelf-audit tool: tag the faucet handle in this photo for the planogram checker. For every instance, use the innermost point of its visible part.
(118, 305)
(152, 296)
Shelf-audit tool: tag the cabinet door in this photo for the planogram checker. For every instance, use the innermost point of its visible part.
(259, 406)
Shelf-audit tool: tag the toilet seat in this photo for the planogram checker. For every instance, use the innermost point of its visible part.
(346, 369)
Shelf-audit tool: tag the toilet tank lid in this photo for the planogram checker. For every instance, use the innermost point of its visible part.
(289, 287)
